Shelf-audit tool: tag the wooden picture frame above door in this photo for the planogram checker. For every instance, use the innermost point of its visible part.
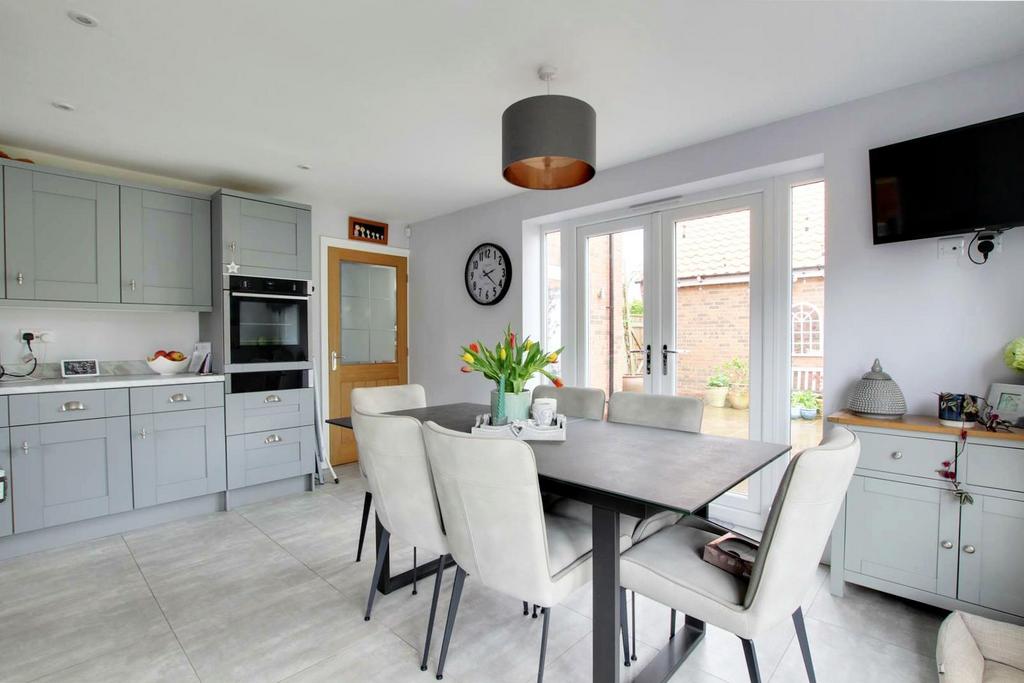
(365, 230)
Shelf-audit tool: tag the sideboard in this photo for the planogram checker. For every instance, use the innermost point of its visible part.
(903, 531)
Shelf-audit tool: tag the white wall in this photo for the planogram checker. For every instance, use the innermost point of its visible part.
(936, 325)
(114, 335)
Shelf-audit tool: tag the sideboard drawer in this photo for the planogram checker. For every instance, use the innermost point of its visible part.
(996, 466)
(65, 406)
(908, 455)
(269, 456)
(263, 410)
(174, 397)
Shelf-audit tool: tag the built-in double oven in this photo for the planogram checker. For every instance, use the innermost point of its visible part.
(267, 332)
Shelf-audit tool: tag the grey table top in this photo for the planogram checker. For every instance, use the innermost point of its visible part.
(659, 467)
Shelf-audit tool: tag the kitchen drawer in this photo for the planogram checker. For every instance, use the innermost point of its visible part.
(65, 406)
(908, 455)
(260, 411)
(269, 456)
(996, 466)
(3, 412)
(174, 397)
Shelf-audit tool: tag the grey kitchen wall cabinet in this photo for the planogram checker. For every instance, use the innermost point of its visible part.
(68, 471)
(165, 248)
(178, 455)
(991, 553)
(61, 237)
(264, 237)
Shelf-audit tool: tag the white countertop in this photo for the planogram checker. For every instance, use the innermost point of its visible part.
(30, 386)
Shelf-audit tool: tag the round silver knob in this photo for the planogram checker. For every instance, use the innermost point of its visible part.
(897, 455)
(143, 434)
(21, 278)
(969, 549)
(24, 446)
(132, 285)
(947, 544)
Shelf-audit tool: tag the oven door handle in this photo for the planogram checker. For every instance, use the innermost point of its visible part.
(293, 297)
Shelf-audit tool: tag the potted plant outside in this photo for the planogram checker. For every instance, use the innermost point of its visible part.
(510, 366)
(803, 404)
(739, 387)
(717, 389)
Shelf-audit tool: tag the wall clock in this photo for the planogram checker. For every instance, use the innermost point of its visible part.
(488, 274)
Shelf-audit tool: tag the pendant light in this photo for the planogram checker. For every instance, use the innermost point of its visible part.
(548, 141)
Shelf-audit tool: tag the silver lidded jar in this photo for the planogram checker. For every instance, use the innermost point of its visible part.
(877, 395)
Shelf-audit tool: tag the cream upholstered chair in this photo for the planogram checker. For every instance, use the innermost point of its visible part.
(382, 400)
(973, 649)
(574, 401)
(497, 530)
(395, 462)
(667, 566)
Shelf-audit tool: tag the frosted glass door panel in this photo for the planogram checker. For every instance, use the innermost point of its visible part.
(368, 313)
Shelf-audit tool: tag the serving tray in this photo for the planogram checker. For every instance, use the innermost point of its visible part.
(523, 430)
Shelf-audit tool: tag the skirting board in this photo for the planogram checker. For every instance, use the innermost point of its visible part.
(98, 527)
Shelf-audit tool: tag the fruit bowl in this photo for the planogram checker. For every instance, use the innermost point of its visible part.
(166, 366)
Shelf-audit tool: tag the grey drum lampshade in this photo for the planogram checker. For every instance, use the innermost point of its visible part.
(548, 142)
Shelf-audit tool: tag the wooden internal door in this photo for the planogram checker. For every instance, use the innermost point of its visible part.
(367, 334)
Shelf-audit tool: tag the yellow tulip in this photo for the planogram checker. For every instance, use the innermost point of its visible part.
(468, 358)
(502, 354)
(552, 357)
(528, 343)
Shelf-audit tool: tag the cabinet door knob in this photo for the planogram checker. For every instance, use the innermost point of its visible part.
(897, 455)
(21, 278)
(72, 406)
(273, 438)
(947, 544)
(272, 398)
(131, 285)
(233, 246)
(24, 446)
(178, 398)
(969, 549)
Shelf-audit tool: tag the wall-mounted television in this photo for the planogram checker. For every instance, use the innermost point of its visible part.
(950, 183)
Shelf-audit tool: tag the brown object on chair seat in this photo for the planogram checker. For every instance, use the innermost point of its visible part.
(732, 553)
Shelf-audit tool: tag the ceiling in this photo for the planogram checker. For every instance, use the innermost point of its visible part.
(396, 105)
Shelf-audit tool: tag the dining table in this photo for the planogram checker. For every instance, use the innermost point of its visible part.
(621, 468)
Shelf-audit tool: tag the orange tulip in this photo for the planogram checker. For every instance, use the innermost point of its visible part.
(474, 348)
(512, 339)
(465, 369)
(559, 383)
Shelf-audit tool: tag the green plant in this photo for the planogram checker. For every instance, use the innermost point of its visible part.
(636, 307)
(718, 378)
(737, 370)
(510, 365)
(804, 398)
(1014, 354)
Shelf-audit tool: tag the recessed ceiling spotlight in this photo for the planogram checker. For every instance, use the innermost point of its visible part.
(83, 19)
(305, 167)
(63, 106)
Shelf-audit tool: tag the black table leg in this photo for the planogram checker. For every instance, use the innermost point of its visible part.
(388, 583)
(606, 595)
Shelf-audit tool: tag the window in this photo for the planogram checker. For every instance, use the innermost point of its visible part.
(553, 295)
(806, 330)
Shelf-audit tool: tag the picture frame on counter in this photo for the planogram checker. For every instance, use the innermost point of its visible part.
(1007, 401)
(81, 367)
(365, 230)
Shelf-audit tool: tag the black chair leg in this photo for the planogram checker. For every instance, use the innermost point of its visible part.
(382, 552)
(624, 626)
(367, 497)
(751, 656)
(433, 611)
(633, 608)
(805, 647)
(414, 592)
(543, 643)
(453, 610)
(526, 608)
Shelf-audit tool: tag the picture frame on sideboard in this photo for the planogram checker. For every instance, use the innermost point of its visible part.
(1007, 401)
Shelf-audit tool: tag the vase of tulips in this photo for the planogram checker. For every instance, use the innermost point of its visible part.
(510, 365)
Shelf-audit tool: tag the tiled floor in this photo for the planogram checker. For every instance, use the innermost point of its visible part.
(270, 593)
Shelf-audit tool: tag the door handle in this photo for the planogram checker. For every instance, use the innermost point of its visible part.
(334, 361)
(273, 438)
(178, 398)
(272, 398)
(664, 358)
(947, 544)
(647, 359)
(72, 406)
(969, 549)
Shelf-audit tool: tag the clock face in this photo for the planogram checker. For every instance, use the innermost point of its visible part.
(488, 274)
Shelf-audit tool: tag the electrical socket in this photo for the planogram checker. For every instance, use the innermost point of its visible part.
(41, 336)
(951, 247)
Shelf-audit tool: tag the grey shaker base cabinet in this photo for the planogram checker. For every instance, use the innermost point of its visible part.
(177, 455)
(903, 531)
(262, 457)
(6, 518)
(66, 472)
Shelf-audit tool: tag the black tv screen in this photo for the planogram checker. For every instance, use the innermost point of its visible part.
(949, 183)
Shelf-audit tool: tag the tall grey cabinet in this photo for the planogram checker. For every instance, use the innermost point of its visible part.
(61, 237)
(268, 238)
(165, 248)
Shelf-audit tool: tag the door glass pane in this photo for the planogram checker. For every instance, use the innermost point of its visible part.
(553, 296)
(807, 216)
(712, 291)
(615, 311)
(368, 313)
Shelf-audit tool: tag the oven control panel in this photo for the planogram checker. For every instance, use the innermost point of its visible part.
(268, 285)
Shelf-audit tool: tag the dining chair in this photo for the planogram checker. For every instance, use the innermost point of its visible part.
(497, 529)
(667, 566)
(391, 450)
(382, 400)
(585, 402)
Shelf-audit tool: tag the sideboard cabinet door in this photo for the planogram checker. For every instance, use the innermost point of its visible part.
(61, 237)
(6, 518)
(165, 248)
(899, 532)
(992, 553)
(178, 455)
(267, 239)
(69, 471)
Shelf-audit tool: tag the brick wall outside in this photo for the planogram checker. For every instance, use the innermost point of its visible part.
(605, 304)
